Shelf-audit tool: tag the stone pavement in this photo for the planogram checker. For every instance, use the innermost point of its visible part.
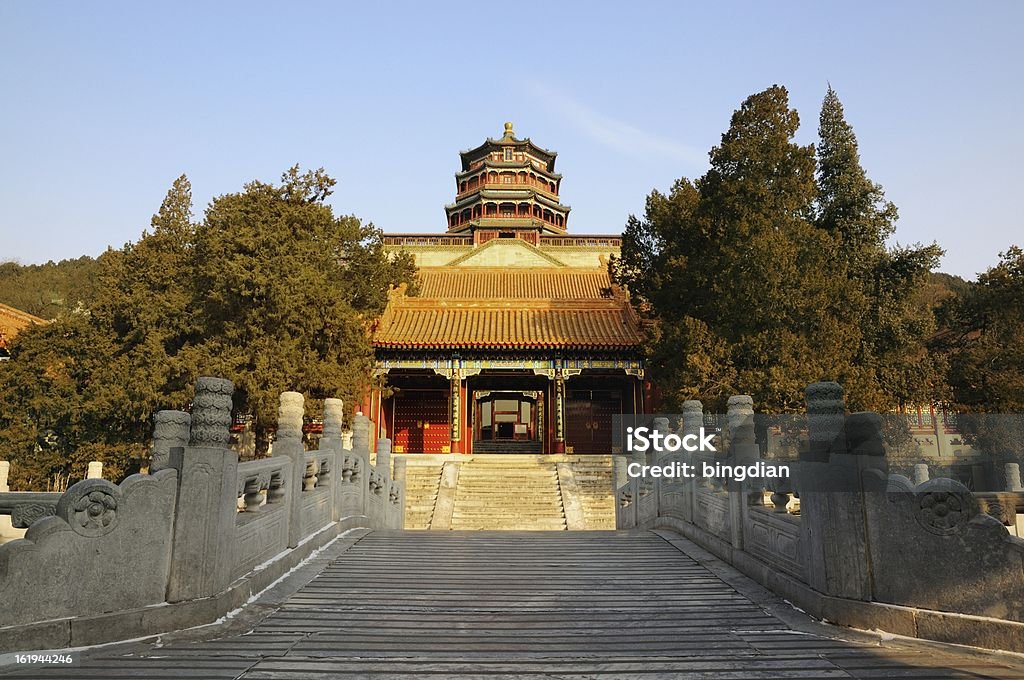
(525, 605)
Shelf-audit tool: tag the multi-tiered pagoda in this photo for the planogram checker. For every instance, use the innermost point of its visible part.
(507, 188)
(518, 340)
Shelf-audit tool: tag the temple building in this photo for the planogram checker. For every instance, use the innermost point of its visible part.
(518, 341)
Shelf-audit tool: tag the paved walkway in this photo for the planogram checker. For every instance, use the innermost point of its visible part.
(526, 605)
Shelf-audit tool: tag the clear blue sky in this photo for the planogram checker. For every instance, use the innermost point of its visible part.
(105, 103)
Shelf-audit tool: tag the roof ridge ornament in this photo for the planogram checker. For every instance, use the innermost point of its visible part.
(509, 134)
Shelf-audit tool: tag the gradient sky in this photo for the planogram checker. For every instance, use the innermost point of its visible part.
(105, 103)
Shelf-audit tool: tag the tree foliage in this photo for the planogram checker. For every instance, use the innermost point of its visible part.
(270, 289)
(771, 271)
(983, 343)
(985, 339)
(891, 365)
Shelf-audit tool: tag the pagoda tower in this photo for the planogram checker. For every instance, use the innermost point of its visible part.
(507, 188)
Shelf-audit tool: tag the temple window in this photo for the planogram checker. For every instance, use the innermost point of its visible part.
(508, 154)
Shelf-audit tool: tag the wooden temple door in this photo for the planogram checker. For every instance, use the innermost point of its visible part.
(588, 415)
(421, 422)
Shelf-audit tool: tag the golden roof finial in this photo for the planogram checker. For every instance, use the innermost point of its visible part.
(508, 130)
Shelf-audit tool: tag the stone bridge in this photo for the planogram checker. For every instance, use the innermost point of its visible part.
(296, 567)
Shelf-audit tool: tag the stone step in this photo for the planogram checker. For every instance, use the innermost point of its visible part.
(421, 490)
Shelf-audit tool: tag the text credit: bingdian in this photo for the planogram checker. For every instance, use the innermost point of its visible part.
(644, 439)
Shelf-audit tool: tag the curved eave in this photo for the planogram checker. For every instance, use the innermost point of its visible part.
(495, 144)
(505, 345)
(526, 193)
(512, 165)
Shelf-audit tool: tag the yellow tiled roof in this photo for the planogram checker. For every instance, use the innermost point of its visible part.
(556, 283)
(14, 320)
(486, 308)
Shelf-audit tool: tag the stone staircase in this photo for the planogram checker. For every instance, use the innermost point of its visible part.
(421, 488)
(508, 492)
(594, 480)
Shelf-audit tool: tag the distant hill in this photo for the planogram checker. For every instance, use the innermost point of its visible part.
(941, 286)
(48, 290)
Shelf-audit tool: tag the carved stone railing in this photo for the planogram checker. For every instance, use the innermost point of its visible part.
(194, 540)
(860, 547)
(261, 483)
(22, 508)
(25, 507)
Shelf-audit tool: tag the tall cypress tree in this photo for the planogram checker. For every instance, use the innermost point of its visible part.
(849, 204)
(891, 365)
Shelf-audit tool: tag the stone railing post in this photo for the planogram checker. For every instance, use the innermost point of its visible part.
(832, 501)
(346, 440)
(288, 444)
(396, 492)
(661, 426)
(693, 416)
(742, 443)
(401, 470)
(334, 416)
(620, 476)
(693, 420)
(361, 434)
(742, 451)
(1011, 476)
(207, 497)
(5, 470)
(361, 449)
(826, 413)
(170, 431)
(383, 468)
(641, 458)
(920, 473)
(95, 470)
(384, 457)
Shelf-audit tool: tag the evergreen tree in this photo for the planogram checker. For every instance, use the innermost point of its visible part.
(985, 339)
(285, 292)
(53, 416)
(144, 304)
(849, 204)
(270, 290)
(891, 365)
(983, 343)
(741, 278)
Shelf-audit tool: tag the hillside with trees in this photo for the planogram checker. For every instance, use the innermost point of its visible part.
(48, 290)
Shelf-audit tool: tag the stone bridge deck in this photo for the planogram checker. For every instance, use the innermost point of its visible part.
(524, 605)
